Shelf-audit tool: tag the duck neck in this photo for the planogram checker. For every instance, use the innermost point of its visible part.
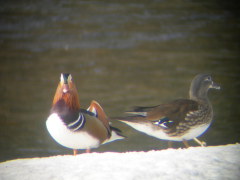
(198, 95)
(70, 99)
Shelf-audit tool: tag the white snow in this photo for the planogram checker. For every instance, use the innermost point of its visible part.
(216, 162)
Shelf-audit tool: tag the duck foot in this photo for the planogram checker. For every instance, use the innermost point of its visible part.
(75, 151)
(201, 143)
(88, 150)
(186, 144)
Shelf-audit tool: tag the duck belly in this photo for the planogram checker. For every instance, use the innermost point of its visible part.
(159, 133)
(151, 130)
(70, 139)
(195, 132)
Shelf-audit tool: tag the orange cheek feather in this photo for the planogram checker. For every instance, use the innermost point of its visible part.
(70, 97)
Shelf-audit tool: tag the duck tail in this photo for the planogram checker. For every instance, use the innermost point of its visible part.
(116, 134)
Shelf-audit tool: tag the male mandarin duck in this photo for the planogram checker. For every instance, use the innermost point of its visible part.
(77, 128)
(179, 120)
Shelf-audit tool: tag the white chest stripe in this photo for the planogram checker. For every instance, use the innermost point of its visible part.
(80, 125)
(80, 118)
(75, 122)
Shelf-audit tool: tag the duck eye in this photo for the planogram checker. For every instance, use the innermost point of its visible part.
(208, 78)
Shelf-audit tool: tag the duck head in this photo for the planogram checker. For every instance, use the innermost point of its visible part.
(200, 86)
(67, 92)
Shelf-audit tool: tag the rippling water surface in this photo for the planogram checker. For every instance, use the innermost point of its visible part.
(120, 53)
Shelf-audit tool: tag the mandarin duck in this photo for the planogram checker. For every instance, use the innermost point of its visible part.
(77, 128)
(178, 120)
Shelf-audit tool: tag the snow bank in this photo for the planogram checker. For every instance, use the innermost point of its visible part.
(220, 162)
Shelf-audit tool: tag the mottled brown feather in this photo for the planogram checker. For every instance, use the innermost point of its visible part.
(175, 110)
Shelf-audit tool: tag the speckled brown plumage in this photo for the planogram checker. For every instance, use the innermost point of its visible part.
(178, 120)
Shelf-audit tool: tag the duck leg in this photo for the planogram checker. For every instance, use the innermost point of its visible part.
(186, 144)
(88, 150)
(201, 143)
(75, 151)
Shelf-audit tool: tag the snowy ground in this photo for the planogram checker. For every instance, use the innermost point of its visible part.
(220, 162)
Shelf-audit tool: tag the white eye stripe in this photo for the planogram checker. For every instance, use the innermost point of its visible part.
(208, 78)
(61, 78)
(70, 78)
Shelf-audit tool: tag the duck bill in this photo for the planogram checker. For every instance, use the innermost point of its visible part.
(215, 86)
(65, 88)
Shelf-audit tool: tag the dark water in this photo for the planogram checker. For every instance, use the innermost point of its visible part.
(120, 53)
